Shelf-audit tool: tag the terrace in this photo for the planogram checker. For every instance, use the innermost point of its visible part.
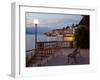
(53, 53)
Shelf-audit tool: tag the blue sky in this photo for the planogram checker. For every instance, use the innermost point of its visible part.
(52, 21)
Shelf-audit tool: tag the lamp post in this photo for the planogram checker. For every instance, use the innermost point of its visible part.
(35, 21)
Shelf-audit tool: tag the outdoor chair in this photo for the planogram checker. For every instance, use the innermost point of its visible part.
(74, 55)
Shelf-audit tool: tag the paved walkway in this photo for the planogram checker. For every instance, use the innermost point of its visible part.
(62, 59)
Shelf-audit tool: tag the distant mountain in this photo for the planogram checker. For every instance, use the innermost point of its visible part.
(40, 30)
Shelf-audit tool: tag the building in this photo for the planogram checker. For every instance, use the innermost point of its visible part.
(68, 34)
(61, 35)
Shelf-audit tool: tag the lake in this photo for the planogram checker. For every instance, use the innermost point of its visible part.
(30, 40)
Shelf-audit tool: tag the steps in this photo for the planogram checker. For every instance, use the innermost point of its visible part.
(40, 58)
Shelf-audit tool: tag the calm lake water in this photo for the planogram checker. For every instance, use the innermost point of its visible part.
(30, 40)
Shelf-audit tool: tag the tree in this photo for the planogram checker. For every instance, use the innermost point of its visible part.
(82, 37)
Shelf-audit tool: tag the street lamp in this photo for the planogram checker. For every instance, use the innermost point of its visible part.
(35, 21)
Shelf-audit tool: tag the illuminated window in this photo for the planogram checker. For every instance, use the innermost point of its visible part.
(68, 38)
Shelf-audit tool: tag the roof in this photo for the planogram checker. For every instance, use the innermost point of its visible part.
(85, 20)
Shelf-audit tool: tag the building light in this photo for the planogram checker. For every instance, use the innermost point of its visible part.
(68, 38)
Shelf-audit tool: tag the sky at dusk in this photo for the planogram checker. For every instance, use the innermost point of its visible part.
(52, 21)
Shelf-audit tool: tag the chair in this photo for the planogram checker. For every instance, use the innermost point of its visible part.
(74, 55)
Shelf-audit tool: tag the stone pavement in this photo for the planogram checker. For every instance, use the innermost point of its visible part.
(62, 58)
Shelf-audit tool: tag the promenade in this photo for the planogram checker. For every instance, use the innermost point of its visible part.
(61, 58)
